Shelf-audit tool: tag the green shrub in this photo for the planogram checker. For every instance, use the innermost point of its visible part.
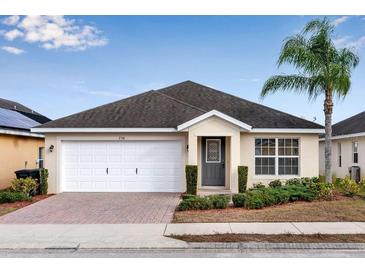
(12, 197)
(219, 201)
(293, 181)
(322, 190)
(300, 193)
(239, 199)
(258, 186)
(43, 181)
(195, 203)
(348, 187)
(191, 173)
(275, 183)
(254, 200)
(24, 185)
(187, 196)
(242, 178)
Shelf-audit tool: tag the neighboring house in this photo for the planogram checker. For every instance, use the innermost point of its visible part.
(19, 148)
(143, 142)
(348, 146)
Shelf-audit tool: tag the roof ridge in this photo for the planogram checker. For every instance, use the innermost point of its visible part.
(181, 102)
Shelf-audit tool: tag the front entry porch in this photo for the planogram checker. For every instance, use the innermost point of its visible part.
(214, 147)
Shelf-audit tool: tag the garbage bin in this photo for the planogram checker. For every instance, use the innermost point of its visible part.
(33, 173)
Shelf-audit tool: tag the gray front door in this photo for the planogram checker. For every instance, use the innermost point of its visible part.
(213, 159)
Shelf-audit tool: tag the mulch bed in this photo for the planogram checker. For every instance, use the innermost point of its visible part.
(18, 205)
(281, 238)
(340, 209)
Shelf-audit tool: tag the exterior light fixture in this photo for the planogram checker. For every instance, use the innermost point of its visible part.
(51, 147)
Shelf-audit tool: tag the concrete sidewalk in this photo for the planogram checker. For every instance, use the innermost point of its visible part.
(139, 236)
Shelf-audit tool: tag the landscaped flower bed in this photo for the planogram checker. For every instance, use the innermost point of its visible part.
(277, 193)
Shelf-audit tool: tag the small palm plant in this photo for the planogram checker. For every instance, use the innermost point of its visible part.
(322, 70)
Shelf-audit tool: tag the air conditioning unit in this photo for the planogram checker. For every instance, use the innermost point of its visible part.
(355, 173)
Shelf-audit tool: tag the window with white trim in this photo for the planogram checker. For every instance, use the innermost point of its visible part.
(288, 156)
(265, 156)
(339, 151)
(355, 154)
(276, 156)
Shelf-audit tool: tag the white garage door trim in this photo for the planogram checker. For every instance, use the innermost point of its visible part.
(122, 166)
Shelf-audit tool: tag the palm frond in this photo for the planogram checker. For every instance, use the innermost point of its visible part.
(297, 83)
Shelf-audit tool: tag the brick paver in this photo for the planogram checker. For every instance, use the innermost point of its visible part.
(97, 208)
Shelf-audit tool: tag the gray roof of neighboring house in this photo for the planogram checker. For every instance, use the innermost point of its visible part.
(15, 120)
(14, 106)
(171, 106)
(352, 125)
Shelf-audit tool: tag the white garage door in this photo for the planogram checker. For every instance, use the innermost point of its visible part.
(128, 166)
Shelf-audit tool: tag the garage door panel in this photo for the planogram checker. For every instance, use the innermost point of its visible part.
(159, 166)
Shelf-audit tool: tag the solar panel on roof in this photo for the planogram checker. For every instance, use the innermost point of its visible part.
(9, 118)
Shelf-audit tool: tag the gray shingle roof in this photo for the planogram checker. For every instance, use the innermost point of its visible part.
(174, 105)
(352, 125)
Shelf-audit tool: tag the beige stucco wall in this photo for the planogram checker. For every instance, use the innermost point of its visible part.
(308, 158)
(240, 149)
(346, 155)
(15, 151)
(53, 159)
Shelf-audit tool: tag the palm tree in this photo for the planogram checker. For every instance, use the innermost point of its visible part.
(322, 69)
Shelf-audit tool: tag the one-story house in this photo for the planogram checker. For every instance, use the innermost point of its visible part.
(19, 147)
(348, 147)
(142, 143)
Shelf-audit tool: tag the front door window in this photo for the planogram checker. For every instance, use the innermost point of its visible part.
(213, 150)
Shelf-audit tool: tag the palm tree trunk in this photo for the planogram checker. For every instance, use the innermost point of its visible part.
(328, 109)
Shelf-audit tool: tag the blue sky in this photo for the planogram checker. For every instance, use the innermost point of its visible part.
(59, 66)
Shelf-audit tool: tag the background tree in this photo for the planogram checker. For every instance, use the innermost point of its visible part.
(322, 69)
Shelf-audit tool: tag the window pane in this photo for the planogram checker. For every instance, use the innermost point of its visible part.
(281, 142)
(287, 142)
(257, 151)
(287, 151)
(265, 151)
(295, 151)
(281, 151)
(265, 142)
(257, 142)
(272, 142)
(295, 142)
(265, 165)
(288, 166)
(356, 158)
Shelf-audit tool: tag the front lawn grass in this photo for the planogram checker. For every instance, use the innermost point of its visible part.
(281, 238)
(342, 209)
(6, 210)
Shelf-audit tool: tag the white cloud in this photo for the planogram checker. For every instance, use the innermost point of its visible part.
(348, 42)
(54, 32)
(11, 20)
(13, 50)
(341, 41)
(340, 20)
(13, 34)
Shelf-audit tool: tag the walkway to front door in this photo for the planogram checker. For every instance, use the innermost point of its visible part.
(98, 208)
(213, 161)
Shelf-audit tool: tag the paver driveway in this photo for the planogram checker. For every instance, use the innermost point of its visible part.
(97, 208)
